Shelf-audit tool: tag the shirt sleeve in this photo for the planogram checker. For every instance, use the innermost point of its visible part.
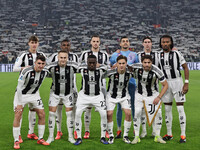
(113, 58)
(21, 81)
(17, 66)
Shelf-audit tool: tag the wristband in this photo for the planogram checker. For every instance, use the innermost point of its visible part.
(186, 81)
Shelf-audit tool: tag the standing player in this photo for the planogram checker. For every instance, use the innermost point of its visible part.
(62, 73)
(26, 59)
(118, 93)
(170, 62)
(91, 95)
(65, 46)
(147, 91)
(102, 58)
(27, 92)
(147, 44)
(131, 59)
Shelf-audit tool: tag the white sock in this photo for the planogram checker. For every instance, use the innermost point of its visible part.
(182, 119)
(32, 120)
(127, 126)
(70, 123)
(59, 117)
(110, 129)
(103, 115)
(78, 122)
(20, 126)
(87, 119)
(41, 129)
(168, 118)
(16, 131)
(137, 121)
(157, 123)
(51, 121)
(143, 121)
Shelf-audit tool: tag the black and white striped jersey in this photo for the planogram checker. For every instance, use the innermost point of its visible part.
(118, 83)
(29, 81)
(91, 80)
(170, 63)
(153, 54)
(63, 77)
(146, 80)
(25, 59)
(102, 57)
(54, 57)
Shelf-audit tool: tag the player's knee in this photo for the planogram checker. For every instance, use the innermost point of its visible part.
(138, 112)
(41, 115)
(128, 115)
(168, 108)
(18, 115)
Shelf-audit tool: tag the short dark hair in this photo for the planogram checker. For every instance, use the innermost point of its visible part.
(65, 40)
(92, 56)
(121, 57)
(167, 36)
(95, 35)
(123, 37)
(146, 57)
(40, 57)
(62, 51)
(33, 38)
(146, 37)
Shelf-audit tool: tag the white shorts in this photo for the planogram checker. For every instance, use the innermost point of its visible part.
(33, 101)
(174, 91)
(67, 100)
(111, 102)
(139, 105)
(84, 101)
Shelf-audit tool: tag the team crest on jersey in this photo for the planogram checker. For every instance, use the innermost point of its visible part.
(100, 57)
(97, 73)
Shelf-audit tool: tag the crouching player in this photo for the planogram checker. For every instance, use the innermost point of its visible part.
(62, 73)
(91, 95)
(27, 92)
(147, 92)
(118, 93)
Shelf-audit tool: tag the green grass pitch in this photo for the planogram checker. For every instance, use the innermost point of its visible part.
(8, 83)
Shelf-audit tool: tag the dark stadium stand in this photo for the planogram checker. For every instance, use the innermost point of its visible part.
(54, 20)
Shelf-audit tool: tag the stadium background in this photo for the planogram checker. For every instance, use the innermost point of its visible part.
(54, 20)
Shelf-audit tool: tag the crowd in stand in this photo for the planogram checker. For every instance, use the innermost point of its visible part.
(54, 20)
